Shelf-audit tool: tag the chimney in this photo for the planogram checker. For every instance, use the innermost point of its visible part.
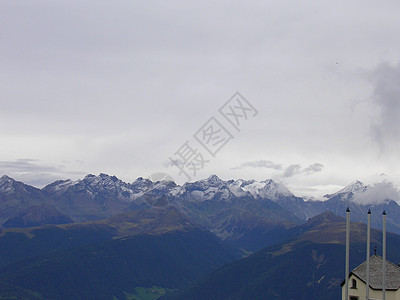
(384, 258)
(347, 252)
(368, 252)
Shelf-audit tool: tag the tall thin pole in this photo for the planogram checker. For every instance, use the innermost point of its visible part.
(384, 258)
(347, 252)
(368, 252)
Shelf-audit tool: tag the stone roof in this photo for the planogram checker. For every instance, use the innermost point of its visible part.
(375, 273)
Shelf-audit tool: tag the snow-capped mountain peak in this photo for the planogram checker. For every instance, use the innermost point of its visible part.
(213, 180)
(141, 185)
(6, 184)
(269, 189)
(95, 180)
(211, 188)
(5, 179)
(93, 185)
(357, 187)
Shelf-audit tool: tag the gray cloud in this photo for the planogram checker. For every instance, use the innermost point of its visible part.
(386, 96)
(297, 169)
(292, 170)
(313, 168)
(267, 164)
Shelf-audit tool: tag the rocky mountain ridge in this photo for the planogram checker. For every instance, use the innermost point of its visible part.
(247, 213)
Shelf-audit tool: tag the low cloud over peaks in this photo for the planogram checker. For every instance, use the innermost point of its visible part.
(378, 193)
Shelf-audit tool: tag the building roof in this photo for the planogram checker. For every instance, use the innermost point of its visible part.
(375, 273)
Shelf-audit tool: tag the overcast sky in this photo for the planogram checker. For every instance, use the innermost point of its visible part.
(119, 87)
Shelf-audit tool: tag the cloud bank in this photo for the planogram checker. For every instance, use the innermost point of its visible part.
(378, 193)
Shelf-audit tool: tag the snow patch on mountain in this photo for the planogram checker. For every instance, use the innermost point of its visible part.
(63, 185)
(310, 199)
(267, 189)
(6, 184)
(212, 188)
(354, 188)
(236, 187)
(5, 179)
(9, 186)
(94, 185)
(206, 194)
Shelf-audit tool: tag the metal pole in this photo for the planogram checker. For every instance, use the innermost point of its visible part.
(368, 252)
(347, 253)
(384, 258)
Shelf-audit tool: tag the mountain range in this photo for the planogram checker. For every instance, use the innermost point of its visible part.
(245, 213)
(102, 238)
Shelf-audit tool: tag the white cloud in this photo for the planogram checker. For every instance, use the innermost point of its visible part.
(378, 193)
